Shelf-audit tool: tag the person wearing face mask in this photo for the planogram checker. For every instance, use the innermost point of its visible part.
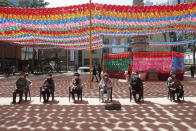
(105, 85)
(174, 86)
(48, 87)
(76, 87)
(21, 83)
(136, 86)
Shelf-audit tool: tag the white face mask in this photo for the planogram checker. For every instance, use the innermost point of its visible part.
(105, 77)
(49, 77)
(135, 76)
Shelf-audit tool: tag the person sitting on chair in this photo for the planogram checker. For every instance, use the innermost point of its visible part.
(75, 86)
(48, 87)
(172, 85)
(136, 86)
(21, 83)
(105, 85)
(26, 89)
(177, 87)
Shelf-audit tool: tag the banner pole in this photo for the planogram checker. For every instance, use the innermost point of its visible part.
(90, 51)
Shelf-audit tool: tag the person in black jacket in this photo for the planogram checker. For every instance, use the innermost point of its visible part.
(99, 72)
(192, 69)
(21, 83)
(76, 86)
(174, 86)
(48, 87)
(136, 86)
(94, 74)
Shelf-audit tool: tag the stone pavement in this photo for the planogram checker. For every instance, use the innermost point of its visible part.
(156, 113)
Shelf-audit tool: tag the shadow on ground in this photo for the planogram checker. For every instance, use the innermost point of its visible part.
(144, 116)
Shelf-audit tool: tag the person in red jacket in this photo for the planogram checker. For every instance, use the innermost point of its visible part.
(129, 71)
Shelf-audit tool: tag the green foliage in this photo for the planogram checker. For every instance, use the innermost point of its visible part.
(39, 4)
(189, 36)
(4, 3)
(46, 59)
(24, 4)
(33, 4)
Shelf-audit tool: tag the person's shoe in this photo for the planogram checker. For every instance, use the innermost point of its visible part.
(45, 101)
(178, 99)
(19, 102)
(13, 102)
(73, 100)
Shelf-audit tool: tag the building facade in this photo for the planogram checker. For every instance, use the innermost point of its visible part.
(10, 55)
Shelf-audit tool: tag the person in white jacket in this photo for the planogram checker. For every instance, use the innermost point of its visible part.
(105, 85)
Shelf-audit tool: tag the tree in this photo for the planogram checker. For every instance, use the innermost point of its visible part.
(33, 4)
(39, 4)
(24, 3)
(4, 3)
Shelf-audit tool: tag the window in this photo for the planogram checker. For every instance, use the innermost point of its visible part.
(86, 62)
(106, 51)
(106, 41)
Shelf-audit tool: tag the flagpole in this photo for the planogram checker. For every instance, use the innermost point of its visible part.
(90, 51)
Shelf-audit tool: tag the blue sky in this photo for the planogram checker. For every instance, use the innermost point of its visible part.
(59, 3)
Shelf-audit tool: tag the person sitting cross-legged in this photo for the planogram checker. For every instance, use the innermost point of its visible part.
(136, 86)
(48, 87)
(76, 87)
(21, 83)
(105, 85)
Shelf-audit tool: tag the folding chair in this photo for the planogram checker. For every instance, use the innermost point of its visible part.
(52, 93)
(105, 92)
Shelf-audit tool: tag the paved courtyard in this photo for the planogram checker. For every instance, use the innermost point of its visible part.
(156, 113)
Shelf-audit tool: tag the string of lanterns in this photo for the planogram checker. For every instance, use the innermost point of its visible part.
(68, 27)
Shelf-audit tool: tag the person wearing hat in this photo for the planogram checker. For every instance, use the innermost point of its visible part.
(75, 85)
(174, 86)
(105, 85)
(170, 80)
(136, 86)
(48, 87)
(21, 83)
